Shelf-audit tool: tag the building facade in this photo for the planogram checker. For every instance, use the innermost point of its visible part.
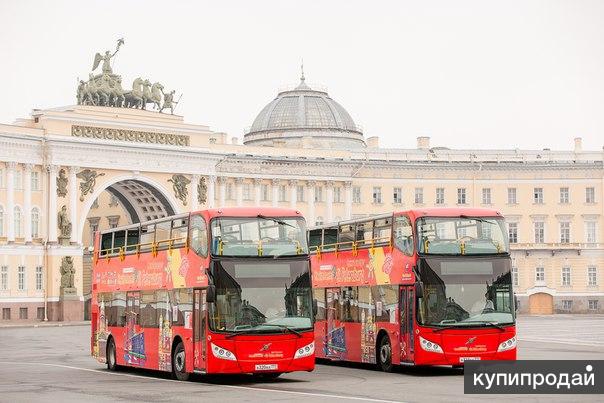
(66, 172)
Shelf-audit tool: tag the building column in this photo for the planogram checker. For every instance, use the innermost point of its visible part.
(73, 203)
(257, 191)
(329, 202)
(27, 202)
(347, 200)
(193, 201)
(221, 191)
(275, 183)
(310, 218)
(52, 203)
(239, 192)
(10, 201)
(293, 193)
(211, 191)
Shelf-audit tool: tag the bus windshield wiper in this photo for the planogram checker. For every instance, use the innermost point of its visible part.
(289, 329)
(238, 332)
(273, 219)
(256, 329)
(464, 325)
(488, 323)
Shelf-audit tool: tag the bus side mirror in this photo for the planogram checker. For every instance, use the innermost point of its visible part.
(211, 293)
(419, 289)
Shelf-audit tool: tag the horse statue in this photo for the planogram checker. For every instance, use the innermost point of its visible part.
(146, 93)
(156, 94)
(116, 94)
(134, 98)
(103, 90)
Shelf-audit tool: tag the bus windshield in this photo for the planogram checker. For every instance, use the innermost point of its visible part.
(461, 235)
(459, 291)
(261, 296)
(259, 236)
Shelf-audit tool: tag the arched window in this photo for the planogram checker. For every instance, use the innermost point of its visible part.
(17, 222)
(35, 223)
(1, 221)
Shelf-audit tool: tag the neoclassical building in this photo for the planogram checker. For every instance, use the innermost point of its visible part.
(68, 171)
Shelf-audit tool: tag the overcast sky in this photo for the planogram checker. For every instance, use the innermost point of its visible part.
(482, 74)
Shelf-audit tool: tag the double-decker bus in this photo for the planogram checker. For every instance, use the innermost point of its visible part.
(215, 291)
(423, 287)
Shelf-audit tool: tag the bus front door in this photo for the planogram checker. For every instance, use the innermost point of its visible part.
(199, 329)
(406, 299)
(335, 342)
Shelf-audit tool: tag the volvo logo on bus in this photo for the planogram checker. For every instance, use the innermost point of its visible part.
(470, 340)
(265, 347)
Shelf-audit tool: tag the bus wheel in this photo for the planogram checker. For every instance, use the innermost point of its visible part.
(384, 356)
(111, 362)
(178, 363)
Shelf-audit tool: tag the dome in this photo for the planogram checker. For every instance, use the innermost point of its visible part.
(304, 117)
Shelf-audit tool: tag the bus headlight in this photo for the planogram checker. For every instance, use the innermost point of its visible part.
(223, 353)
(305, 351)
(429, 345)
(507, 345)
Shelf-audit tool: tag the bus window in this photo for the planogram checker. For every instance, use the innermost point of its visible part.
(330, 237)
(199, 235)
(132, 239)
(147, 235)
(148, 306)
(403, 235)
(382, 229)
(346, 236)
(162, 231)
(179, 231)
(106, 243)
(314, 237)
(364, 233)
(119, 240)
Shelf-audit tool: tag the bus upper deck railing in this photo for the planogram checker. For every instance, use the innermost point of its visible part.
(122, 251)
(354, 246)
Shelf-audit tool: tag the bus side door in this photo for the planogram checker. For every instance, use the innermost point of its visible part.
(335, 341)
(406, 320)
(199, 329)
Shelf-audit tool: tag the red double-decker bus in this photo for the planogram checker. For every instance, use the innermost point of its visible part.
(214, 291)
(423, 287)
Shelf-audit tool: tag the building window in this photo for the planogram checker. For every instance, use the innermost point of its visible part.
(419, 195)
(39, 277)
(318, 193)
(397, 195)
(282, 193)
(6, 313)
(539, 275)
(566, 276)
(356, 194)
(229, 191)
(40, 312)
(21, 278)
(18, 180)
(35, 180)
(17, 223)
(247, 191)
(564, 232)
(486, 196)
(114, 202)
(113, 221)
(513, 232)
(337, 194)
(512, 199)
(440, 195)
(264, 193)
(539, 232)
(35, 223)
(590, 232)
(461, 195)
(592, 276)
(4, 278)
(590, 195)
(1, 221)
(593, 304)
(22, 313)
(514, 275)
(567, 304)
(319, 220)
(564, 195)
(300, 193)
(538, 195)
(377, 195)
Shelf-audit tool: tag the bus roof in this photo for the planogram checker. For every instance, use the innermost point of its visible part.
(454, 212)
(253, 212)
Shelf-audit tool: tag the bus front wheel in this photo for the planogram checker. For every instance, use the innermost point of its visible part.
(178, 363)
(384, 354)
(111, 362)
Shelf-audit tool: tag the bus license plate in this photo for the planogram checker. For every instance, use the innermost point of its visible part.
(266, 367)
(462, 359)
